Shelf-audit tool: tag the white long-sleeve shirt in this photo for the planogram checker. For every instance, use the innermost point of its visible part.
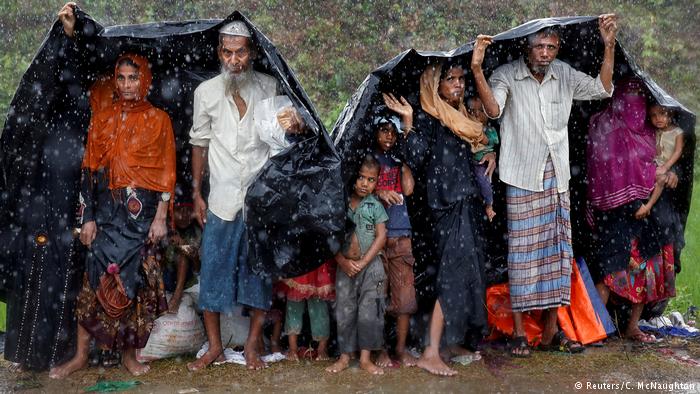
(237, 147)
(535, 120)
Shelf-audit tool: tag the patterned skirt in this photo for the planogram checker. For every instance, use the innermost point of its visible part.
(319, 283)
(539, 246)
(133, 328)
(645, 280)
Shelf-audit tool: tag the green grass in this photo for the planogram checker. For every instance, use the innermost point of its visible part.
(2, 316)
(688, 281)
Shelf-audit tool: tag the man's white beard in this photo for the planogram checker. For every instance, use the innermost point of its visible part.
(235, 81)
(539, 70)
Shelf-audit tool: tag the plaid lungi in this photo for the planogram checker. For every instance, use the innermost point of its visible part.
(539, 245)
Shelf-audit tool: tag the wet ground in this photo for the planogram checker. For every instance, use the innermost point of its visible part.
(618, 366)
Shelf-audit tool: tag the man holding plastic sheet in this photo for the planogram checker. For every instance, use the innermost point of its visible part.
(234, 132)
(534, 95)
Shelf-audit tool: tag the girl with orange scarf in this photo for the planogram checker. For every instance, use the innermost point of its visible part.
(128, 178)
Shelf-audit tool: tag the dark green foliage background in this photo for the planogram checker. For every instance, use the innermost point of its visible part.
(332, 45)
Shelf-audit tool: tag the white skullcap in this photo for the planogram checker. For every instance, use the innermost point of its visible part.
(235, 28)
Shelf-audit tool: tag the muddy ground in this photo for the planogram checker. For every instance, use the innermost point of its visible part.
(618, 363)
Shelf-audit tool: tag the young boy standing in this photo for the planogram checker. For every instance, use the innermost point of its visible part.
(360, 281)
(396, 182)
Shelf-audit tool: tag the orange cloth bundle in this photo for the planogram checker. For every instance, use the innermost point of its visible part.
(578, 321)
(112, 295)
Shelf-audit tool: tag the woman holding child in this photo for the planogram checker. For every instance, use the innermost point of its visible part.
(634, 256)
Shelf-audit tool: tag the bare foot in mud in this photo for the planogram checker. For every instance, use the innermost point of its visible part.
(132, 365)
(17, 368)
(62, 371)
(637, 335)
(322, 351)
(252, 359)
(204, 361)
(372, 368)
(383, 360)
(342, 364)
(406, 358)
(434, 364)
(292, 355)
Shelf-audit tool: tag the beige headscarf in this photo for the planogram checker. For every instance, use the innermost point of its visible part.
(458, 121)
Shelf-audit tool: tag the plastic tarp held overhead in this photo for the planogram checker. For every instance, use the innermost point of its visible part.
(582, 48)
(294, 209)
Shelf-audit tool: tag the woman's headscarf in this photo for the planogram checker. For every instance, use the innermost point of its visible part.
(132, 138)
(621, 149)
(456, 120)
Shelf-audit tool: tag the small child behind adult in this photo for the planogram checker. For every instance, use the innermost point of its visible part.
(476, 109)
(310, 291)
(182, 250)
(396, 182)
(669, 147)
(360, 281)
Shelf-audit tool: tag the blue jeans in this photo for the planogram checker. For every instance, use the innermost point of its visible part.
(225, 279)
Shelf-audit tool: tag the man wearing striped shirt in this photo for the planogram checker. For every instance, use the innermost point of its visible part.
(533, 95)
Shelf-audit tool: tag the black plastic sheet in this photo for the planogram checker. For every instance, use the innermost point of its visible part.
(294, 210)
(582, 48)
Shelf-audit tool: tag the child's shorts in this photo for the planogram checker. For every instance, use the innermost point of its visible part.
(398, 263)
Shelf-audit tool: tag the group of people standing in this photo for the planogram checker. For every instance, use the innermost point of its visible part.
(442, 152)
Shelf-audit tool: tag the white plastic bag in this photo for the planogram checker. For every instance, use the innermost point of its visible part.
(269, 129)
(173, 335)
(234, 328)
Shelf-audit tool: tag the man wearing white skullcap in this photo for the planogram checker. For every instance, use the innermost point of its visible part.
(235, 28)
(233, 136)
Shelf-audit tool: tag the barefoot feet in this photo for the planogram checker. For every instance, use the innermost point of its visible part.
(342, 364)
(132, 365)
(322, 351)
(406, 358)
(370, 367)
(383, 360)
(292, 355)
(252, 359)
(68, 368)
(211, 356)
(434, 364)
(16, 368)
